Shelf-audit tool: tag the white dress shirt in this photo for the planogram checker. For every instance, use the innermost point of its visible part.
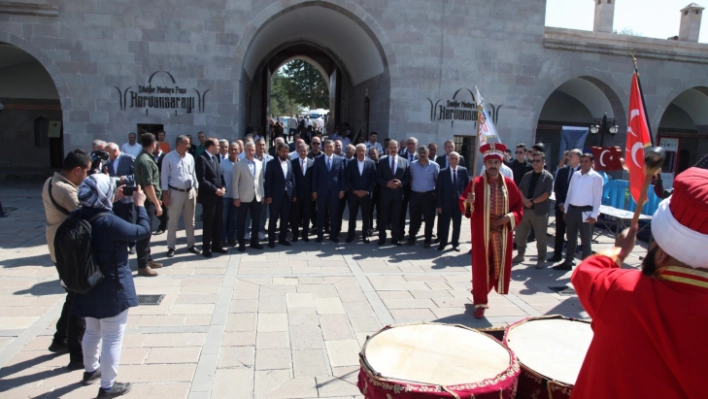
(227, 170)
(360, 164)
(303, 164)
(586, 190)
(285, 165)
(133, 150)
(376, 145)
(178, 171)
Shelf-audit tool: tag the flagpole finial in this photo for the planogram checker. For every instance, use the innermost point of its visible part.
(634, 60)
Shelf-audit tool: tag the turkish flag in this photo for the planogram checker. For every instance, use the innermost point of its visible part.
(607, 159)
(638, 137)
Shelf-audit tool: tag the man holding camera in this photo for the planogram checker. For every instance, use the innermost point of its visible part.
(121, 168)
(148, 177)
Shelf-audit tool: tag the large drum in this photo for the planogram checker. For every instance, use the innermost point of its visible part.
(551, 350)
(433, 361)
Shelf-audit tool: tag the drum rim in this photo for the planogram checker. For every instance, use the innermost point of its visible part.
(550, 380)
(510, 373)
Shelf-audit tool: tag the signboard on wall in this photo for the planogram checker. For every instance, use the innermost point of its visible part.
(168, 95)
(461, 107)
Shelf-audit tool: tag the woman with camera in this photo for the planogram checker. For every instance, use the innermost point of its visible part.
(105, 307)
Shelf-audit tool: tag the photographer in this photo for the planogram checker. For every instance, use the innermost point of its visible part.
(105, 307)
(99, 157)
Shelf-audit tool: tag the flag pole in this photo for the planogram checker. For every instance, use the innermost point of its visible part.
(641, 93)
(474, 166)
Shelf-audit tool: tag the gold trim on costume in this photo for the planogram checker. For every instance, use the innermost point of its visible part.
(696, 278)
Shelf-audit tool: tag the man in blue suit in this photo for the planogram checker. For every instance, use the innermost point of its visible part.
(360, 180)
(452, 181)
(328, 189)
(393, 174)
(279, 193)
(302, 165)
(121, 167)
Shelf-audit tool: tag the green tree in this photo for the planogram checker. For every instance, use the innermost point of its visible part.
(304, 84)
(280, 102)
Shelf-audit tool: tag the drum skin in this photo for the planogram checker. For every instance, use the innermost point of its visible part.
(375, 386)
(533, 385)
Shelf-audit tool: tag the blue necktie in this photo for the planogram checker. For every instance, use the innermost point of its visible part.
(329, 164)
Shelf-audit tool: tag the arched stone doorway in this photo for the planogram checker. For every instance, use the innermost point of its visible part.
(31, 138)
(345, 42)
(683, 130)
(578, 102)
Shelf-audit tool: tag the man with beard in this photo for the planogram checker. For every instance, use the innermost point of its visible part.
(642, 321)
(493, 203)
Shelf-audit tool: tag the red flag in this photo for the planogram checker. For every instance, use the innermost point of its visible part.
(607, 159)
(638, 137)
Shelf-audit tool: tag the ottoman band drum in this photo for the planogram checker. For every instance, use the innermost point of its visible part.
(551, 350)
(434, 361)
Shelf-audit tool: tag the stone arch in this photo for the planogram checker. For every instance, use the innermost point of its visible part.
(659, 111)
(49, 65)
(310, 61)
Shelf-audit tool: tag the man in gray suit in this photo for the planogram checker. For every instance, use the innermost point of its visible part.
(247, 186)
(121, 168)
(535, 189)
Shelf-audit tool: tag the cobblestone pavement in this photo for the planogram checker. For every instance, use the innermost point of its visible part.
(276, 323)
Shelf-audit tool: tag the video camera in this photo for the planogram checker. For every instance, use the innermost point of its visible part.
(98, 159)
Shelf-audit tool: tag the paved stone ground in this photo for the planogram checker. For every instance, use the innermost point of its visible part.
(282, 323)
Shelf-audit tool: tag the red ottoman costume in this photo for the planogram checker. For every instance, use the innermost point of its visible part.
(491, 248)
(647, 328)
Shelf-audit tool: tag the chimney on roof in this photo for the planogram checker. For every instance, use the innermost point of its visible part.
(604, 16)
(690, 23)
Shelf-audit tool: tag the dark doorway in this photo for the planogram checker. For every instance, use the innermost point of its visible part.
(150, 128)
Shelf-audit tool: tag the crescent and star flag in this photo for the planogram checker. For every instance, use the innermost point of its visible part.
(607, 159)
(638, 137)
(486, 127)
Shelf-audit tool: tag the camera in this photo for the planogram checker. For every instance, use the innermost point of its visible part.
(98, 159)
(128, 191)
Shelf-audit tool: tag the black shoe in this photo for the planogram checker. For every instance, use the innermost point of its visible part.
(555, 258)
(271, 245)
(366, 240)
(441, 247)
(410, 243)
(350, 239)
(306, 239)
(437, 240)
(158, 232)
(242, 248)
(256, 245)
(294, 239)
(206, 254)
(382, 241)
(319, 239)
(119, 389)
(456, 247)
(220, 250)
(194, 250)
(170, 252)
(75, 365)
(284, 242)
(396, 243)
(131, 251)
(232, 243)
(58, 346)
(90, 378)
(334, 239)
(427, 245)
(564, 266)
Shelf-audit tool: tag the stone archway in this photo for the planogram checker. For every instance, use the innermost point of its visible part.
(32, 137)
(683, 128)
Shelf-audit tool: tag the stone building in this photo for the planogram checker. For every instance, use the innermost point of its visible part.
(72, 71)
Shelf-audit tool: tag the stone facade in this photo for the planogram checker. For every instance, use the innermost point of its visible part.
(94, 50)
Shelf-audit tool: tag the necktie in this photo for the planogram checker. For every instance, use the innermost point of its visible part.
(572, 170)
(393, 170)
(329, 163)
(454, 174)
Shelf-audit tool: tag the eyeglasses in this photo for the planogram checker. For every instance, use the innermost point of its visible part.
(536, 161)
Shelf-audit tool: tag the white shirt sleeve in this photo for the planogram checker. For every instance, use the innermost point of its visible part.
(597, 183)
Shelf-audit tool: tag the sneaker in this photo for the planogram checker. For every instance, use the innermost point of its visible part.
(119, 389)
(90, 378)
(158, 232)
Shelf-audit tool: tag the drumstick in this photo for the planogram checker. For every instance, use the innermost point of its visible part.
(653, 161)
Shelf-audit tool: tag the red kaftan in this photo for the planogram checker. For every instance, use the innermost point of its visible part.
(491, 250)
(649, 331)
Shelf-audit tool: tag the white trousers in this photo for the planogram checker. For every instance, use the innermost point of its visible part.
(110, 330)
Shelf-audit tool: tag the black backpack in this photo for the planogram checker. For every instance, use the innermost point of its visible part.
(74, 255)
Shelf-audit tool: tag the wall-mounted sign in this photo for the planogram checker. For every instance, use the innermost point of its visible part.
(54, 130)
(162, 96)
(462, 107)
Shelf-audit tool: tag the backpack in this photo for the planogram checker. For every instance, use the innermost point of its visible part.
(74, 254)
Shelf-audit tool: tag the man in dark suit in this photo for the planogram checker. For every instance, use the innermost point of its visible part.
(393, 174)
(121, 167)
(360, 181)
(374, 156)
(410, 154)
(211, 191)
(328, 189)
(280, 193)
(159, 156)
(443, 159)
(560, 188)
(300, 214)
(452, 181)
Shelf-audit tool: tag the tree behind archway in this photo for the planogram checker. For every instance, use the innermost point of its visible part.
(304, 85)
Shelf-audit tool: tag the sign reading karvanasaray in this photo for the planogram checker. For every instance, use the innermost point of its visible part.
(169, 95)
(462, 107)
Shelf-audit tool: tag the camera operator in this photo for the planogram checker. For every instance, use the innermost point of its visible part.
(99, 157)
(106, 306)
